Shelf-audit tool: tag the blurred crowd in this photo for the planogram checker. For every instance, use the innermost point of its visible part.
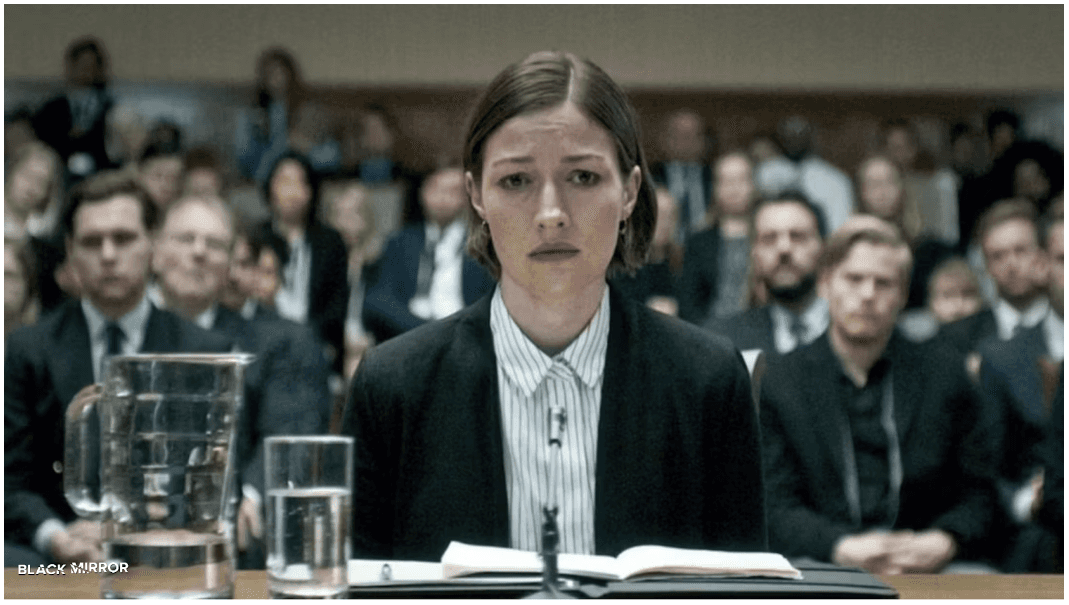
(325, 251)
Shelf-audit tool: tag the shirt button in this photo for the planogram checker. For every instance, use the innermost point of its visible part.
(57, 466)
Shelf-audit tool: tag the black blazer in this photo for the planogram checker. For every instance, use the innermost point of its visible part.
(385, 311)
(967, 334)
(287, 390)
(701, 275)
(678, 459)
(1011, 380)
(751, 329)
(947, 455)
(45, 366)
(53, 122)
(328, 288)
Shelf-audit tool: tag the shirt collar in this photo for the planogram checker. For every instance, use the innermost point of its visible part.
(526, 366)
(1054, 333)
(814, 317)
(207, 318)
(1006, 317)
(248, 310)
(452, 232)
(133, 324)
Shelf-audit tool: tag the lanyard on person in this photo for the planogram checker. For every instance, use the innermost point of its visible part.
(851, 478)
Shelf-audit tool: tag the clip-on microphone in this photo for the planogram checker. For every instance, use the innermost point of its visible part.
(550, 531)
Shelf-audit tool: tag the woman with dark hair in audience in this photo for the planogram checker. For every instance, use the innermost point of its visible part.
(314, 287)
(655, 418)
(282, 119)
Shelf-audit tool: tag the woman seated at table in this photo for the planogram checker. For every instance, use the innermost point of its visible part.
(660, 441)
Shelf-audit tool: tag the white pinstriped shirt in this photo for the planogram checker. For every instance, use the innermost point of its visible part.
(529, 384)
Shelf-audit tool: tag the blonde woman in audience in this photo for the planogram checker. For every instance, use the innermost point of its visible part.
(881, 193)
(32, 189)
(33, 193)
(933, 189)
(349, 210)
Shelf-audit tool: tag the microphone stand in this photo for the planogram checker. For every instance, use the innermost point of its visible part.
(550, 531)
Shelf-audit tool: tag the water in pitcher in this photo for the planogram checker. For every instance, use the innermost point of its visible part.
(308, 554)
(176, 564)
(168, 494)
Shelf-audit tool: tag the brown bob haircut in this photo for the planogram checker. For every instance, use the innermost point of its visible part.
(542, 81)
(870, 229)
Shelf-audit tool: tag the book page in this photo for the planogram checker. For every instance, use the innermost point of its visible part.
(641, 560)
(465, 559)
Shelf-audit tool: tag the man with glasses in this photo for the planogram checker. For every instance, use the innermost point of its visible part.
(286, 385)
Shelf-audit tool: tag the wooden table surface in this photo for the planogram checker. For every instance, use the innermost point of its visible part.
(253, 585)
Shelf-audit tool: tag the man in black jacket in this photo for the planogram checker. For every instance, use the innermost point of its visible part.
(109, 221)
(786, 237)
(876, 452)
(1008, 234)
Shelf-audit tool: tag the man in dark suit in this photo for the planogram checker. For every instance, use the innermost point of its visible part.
(786, 235)
(424, 271)
(108, 222)
(287, 390)
(876, 451)
(1019, 378)
(1009, 238)
(74, 123)
(686, 171)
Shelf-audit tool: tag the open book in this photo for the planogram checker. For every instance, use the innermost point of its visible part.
(642, 562)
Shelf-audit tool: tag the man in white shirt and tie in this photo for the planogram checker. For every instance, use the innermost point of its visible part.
(108, 222)
(1022, 378)
(686, 171)
(1008, 235)
(425, 273)
(787, 235)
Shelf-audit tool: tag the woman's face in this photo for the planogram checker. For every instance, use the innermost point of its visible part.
(881, 193)
(734, 185)
(346, 217)
(553, 196)
(28, 189)
(291, 195)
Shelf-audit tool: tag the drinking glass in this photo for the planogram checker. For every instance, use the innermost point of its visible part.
(309, 485)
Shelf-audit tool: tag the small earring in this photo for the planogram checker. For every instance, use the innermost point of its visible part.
(623, 227)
